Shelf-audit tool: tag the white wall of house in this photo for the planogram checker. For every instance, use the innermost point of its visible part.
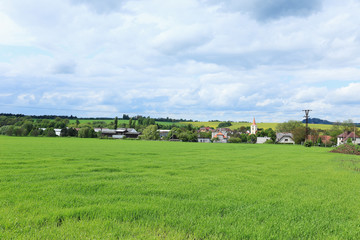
(163, 133)
(262, 140)
(204, 140)
(341, 141)
(118, 136)
(57, 131)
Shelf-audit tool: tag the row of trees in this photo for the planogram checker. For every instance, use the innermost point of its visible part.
(183, 133)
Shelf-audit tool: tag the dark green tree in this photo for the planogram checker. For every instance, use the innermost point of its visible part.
(49, 132)
(289, 126)
(116, 123)
(87, 132)
(252, 138)
(224, 124)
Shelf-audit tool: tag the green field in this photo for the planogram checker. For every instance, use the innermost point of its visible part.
(236, 125)
(72, 188)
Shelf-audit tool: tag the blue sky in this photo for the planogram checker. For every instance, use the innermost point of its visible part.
(198, 59)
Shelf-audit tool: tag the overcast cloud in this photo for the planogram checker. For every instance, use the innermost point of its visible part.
(199, 59)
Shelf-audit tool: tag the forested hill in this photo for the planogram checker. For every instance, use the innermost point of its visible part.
(318, 121)
(321, 121)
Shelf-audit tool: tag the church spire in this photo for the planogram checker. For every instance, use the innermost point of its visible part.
(253, 127)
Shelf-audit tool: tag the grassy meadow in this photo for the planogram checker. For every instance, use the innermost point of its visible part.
(72, 188)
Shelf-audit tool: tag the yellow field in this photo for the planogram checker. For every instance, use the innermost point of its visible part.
(260, 125)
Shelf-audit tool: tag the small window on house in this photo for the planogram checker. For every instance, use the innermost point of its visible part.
(286, 139)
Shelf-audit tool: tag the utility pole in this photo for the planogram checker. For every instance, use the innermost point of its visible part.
(307, 122)
(354, 133)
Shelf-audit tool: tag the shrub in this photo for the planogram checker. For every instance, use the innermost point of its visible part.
(270, 141)
(224, 124)
(308, 143)
(235, 140)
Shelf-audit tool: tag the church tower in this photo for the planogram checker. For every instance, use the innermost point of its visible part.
(253, 127)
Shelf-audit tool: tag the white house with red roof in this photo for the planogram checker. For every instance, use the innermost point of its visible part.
(219, 137)
(253, 127)
(343, 138)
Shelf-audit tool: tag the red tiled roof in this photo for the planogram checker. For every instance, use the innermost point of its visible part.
(348, 135)
(220, 134)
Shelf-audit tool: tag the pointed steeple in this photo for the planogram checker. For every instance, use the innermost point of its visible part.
(253, 127)
(254, 123)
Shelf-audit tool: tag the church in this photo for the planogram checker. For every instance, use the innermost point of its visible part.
(253, 127)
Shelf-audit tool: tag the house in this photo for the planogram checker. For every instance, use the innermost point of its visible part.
(163, 133)
(343, 138)
(224, 130)
(285, 138)
(262, 140)
(206, 129)
(325, 139)
(204, 140)
(220, 137)
(57, 131)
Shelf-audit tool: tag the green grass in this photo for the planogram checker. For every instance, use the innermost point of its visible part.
(236, 125)
(71, 188)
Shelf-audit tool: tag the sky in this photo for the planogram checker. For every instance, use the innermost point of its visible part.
(194, 59)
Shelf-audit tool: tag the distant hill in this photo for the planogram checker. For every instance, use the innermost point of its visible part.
(318, 121)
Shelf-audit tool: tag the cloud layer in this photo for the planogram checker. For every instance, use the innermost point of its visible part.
(199, 59)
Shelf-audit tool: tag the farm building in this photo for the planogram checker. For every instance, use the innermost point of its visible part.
(285, 138)
(118, 133)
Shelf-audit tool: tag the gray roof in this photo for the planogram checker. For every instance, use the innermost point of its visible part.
(279, 136)
(109, 131)
(126, 130)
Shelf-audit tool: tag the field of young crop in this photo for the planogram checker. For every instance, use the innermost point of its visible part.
(72, 188)
(236, 125)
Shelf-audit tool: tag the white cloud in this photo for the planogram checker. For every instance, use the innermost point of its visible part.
(194, 57)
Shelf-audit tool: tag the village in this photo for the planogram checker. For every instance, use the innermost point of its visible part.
(224, 135)
(146, 128)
